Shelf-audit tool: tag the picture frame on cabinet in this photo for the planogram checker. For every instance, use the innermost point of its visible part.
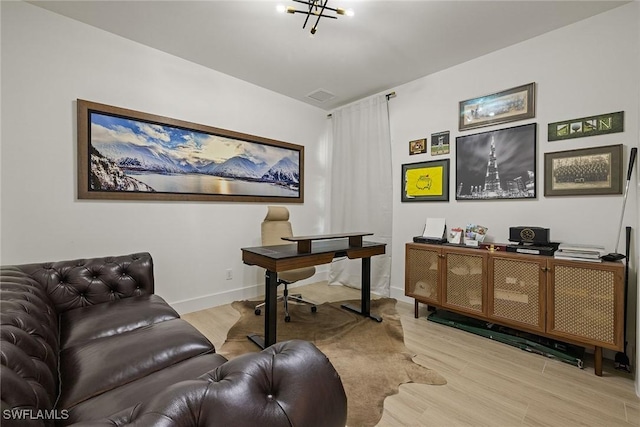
(125, 154)
(425, 181)
(584, 172)
(499, 164)
(506, 106)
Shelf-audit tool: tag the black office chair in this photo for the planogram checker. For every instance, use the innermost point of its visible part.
(275, 226)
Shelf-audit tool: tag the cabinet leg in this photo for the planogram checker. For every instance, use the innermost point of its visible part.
(597, 357)
(415, 308)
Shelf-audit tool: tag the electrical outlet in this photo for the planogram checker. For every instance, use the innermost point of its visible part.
(229, 274)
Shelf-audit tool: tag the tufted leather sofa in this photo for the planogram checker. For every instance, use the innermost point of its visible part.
(88, 343)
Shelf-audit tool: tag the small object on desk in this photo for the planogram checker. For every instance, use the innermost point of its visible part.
(455, 235)
(475, 234)
(529, 234)
(422, 239)
(590, 253)
(533, 249)
(434, 228)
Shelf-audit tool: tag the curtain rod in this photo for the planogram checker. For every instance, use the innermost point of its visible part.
(389, 96)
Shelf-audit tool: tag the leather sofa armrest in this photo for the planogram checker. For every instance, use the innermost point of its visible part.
(290, 383)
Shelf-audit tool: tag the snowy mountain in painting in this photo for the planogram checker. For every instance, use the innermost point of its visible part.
(136, 157)
(128, 157)
(239, 167)
(285, 171)
(107, 176)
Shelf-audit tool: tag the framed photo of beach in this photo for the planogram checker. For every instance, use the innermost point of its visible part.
(130, 155)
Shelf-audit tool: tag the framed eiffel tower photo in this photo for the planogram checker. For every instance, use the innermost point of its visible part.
(499, 164)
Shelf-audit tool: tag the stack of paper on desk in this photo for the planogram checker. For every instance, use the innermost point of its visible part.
(579, 252)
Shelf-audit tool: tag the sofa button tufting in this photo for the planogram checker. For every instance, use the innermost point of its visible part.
(269, 396)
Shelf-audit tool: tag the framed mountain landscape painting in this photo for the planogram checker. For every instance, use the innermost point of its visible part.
(130, 155)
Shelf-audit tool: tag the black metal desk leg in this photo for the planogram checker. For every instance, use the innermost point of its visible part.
(270, 311)
(365, 295)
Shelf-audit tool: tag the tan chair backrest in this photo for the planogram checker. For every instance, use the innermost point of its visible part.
(275, 226)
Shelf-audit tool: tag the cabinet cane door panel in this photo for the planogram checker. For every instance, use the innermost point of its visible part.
(516, 291)
(464, 281)
(422, 274)
(585, 304)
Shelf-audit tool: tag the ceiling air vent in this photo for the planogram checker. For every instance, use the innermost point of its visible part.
(321, 95)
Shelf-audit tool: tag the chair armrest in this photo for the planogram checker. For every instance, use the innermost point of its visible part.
(290, 383)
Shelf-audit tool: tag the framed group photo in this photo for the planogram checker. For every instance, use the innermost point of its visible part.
(499, 164)
(130, 155)
(425, 181)
(586, 171)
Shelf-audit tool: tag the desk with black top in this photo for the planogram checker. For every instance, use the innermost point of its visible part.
(310, 251)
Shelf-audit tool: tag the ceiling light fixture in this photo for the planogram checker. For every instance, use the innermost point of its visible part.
(317, 8)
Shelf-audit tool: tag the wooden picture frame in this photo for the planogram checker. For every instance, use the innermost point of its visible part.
(426, 181)
(418, 146)
(130, 155)
(584, 172)
(509, 105)
(499, 164)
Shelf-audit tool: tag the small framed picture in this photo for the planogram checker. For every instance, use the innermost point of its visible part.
(419, 146)
(440, 143)
(583, 172)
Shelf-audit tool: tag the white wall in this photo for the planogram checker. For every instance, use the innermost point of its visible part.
(585, 69)
(48, 61)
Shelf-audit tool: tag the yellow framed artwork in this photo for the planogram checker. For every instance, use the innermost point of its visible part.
(425, 181)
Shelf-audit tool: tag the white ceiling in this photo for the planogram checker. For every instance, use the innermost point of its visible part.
(385, 44)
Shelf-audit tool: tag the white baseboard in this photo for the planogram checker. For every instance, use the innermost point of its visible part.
(227, 297)
(398, 294)
(214, 300)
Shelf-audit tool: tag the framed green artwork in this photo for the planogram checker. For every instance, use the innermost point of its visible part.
(586, 126)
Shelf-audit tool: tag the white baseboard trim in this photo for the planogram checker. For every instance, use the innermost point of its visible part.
(214, 300)
(398, 294)
(227, 297)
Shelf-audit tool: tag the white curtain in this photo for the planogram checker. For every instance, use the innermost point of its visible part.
(361, 187)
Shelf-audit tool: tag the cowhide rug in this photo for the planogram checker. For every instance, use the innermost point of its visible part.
(370, 357)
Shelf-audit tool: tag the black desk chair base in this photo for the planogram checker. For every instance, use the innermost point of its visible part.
(286, 298)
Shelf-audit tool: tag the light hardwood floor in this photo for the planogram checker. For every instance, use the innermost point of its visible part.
(488, 383)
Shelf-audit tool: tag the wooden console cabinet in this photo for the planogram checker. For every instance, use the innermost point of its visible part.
(573, 301)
